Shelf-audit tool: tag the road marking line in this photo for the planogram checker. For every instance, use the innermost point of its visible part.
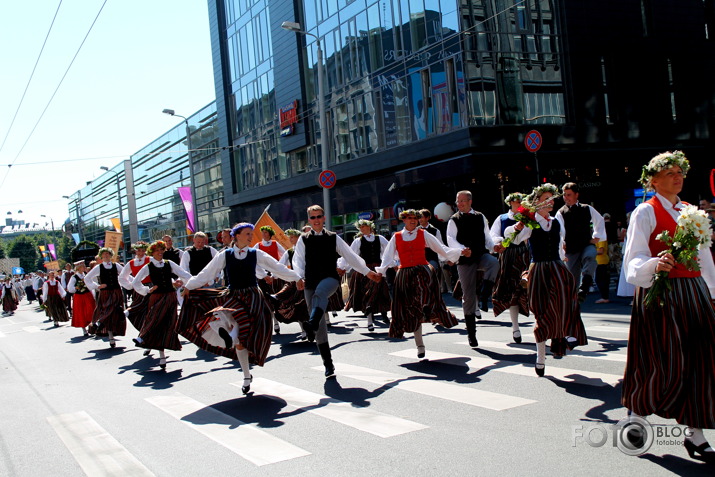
(2, 335)
(610, 329)
(432, 387)
(252, 444)
(97, 452)
(32, 329)
(531, 348)
(360, 418)
(571, 375)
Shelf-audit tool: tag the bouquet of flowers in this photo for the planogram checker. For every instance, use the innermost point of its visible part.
(526, 213)
(692, 233)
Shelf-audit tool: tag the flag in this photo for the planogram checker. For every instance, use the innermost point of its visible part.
(76, 239)
(51, 248)
(185, 194)
(279, 237)
(117, 224)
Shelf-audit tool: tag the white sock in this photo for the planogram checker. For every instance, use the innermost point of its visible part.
(111, 335)
(369, 319)
(419, 342)
(234, 334)
(161, 354)
(275, 321)
(514, 314)
(541, 352)
(243, 361)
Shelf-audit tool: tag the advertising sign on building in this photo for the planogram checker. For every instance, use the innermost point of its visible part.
(288, 117)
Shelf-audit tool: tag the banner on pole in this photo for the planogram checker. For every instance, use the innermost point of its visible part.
(185, 194)
(113, 240)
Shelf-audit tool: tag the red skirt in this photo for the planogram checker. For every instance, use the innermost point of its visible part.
(83, 305)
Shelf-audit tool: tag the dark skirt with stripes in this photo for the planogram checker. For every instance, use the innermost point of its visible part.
(252, 315)
(56, 308)
(292, 307)
(417, 300)
(138, 310)
(336, 302)
(508, 291)
(8, 303)
(83, 305)
(30, 294)
(368, 296)
(160, 322)
(670, 369)
(553, 300)
(271, 288)
(109, 312)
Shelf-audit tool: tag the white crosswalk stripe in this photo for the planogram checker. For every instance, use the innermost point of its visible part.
(363, 419)
(609, 329)
(97, 452)
(249, 442)
(571, 375)
(530, 348)
(2, 335)
(32, 329)
(430, 387)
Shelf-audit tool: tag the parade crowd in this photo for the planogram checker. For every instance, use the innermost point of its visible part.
(532, 260)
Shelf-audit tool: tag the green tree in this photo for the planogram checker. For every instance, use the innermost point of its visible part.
(2, 250)
(24, 249)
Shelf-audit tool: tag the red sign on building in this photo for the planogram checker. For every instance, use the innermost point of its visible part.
(288, 117)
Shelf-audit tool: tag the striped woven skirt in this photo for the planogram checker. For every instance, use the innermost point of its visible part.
(336, 302)
(252, 315)
(368, 296)
(56, 308)
(292, 306)
(160, 321)
(110, 312)
(417, 300)
(554, 302)
(508, 292)
(670, 369)
(8, 303)
(137, 311)
(83, 305)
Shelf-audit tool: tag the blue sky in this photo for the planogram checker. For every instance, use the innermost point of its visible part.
(141, 56)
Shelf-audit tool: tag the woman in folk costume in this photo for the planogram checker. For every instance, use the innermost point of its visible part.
(513, 261)
(553, 294)
(159, 323)
(289, 303)
(53, 295)
(9, 298)
(83, 303)
(64, 277)
(29, 291)
(268, 284)
(136, 312)
(670, 370)
(245, 332)
(108, 315)
(416, 298)
(366, 295)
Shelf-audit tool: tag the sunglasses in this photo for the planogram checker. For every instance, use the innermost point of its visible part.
(314, 217)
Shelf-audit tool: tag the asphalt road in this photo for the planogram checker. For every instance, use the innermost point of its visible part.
(71, 406)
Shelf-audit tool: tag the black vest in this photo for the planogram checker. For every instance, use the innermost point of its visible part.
(430, 254)
(577, 225)
(198, 259)
(321, 257)
(172, 255)
(109, 277)
(545, 245)
(370, 251)
(241, 273)
(470, 233)
(290, 253)
(161, 277)
(505, 222)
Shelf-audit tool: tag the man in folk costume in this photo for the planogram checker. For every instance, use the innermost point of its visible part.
(469, 230)
(37, 286)
(584, 228)
(198, 256)
(670, 370)
(138, 309)
(64, 281)
(171, 253)
(109, 314)
(315, 260)
(268, 284)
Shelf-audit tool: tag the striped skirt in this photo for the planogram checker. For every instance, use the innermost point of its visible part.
(56, 308)
(368, 296)
(252, 315)
(83, 305)
(292, 307)
(160, 321)
(110, 312)
(137, 311)
(30, 294)
(416, 300)
(8, 303)
(336, 302)
(508, 291)
(671, 356)
(554, 302)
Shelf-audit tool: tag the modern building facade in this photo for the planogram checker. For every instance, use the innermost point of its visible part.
(429, 97)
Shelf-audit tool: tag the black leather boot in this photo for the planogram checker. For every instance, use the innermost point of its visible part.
(324, 349)
(470, 321)
(484, 296)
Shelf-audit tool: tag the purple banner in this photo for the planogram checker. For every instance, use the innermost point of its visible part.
(51, 248)
(185, 194)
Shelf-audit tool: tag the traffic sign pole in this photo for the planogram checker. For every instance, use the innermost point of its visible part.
(533, 142)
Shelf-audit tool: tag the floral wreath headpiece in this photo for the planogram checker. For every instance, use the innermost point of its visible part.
(292, 233)
(363, 222)
(105, 249)
(514, 196)
(662, 162)
(140, 245)
(269, 229)
(155, 245)
(408, 212)
(531, 201)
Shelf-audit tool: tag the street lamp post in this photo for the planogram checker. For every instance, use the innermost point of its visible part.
(295, 27)
(121, 215)
(76, 208)
(193, 216)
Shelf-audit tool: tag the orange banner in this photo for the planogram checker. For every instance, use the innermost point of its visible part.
(113, 240)
(279, 237)
(117, 224)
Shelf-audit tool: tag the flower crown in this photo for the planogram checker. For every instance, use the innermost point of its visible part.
(155, 245)
(514, 196)
(105, 249)
(269, 229)
(292, 233)
(363, 222)
(531, 201)
(662, 162)
(408, 212)
(140, 245)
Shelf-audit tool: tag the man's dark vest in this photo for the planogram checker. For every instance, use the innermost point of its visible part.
(545, 245)
(198, 259)
(109, 277)
(430, 254)
(470, 233)
(241, 273)
(370, 251)
(161, 277)
(172, 255)
(321, 257)
(577, 225)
